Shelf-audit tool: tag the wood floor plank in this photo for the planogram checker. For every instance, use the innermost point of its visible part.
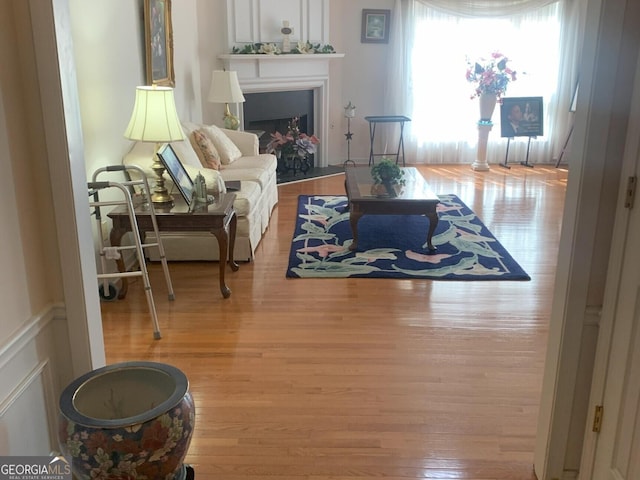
(346, 379)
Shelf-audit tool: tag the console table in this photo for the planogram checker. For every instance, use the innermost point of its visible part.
(219, 218)
(373, 121)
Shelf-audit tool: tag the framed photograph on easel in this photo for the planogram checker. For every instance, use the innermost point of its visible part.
(158, 35)
(521, 117)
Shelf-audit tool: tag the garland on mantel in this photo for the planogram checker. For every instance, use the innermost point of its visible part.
(273, 49)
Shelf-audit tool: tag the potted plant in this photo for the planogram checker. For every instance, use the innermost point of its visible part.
(388, 178)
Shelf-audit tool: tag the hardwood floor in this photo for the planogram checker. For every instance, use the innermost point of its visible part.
(349, 379)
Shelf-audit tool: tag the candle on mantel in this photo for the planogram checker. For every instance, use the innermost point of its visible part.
(286, 32)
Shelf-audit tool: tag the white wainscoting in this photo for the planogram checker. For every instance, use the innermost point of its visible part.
(35, 366)
(260, 21)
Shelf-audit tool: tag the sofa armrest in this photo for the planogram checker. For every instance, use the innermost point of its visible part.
(246, 142)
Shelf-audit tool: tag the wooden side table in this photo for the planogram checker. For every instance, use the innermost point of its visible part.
(373, 121)
(219, 218)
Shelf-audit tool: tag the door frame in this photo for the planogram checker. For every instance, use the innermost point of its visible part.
(607, 74)
(617, 260)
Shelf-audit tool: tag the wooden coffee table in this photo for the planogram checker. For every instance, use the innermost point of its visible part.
(416, 198)
(219, 218)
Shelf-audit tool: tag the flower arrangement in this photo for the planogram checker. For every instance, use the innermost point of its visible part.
(293, 143)
(273, 49)
(490, 75)
(254, 48)
(308, 47)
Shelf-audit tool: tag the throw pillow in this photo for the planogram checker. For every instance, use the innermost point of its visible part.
(228, 150)
(206, 150)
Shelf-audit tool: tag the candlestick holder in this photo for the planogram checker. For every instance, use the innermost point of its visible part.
(349, 113)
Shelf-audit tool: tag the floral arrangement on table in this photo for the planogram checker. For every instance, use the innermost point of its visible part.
(273, 49)
(490, 75)
(293, 143)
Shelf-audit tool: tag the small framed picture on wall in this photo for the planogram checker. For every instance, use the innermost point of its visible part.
(375, 26)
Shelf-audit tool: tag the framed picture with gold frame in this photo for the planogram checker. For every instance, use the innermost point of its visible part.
(158, 35)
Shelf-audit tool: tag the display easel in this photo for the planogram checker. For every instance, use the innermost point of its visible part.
(526, 160)
(566, 143)
(572, 111)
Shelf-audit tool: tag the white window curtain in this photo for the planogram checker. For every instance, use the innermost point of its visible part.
(433, 39)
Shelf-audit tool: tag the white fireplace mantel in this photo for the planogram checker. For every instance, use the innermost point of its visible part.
(275, 73)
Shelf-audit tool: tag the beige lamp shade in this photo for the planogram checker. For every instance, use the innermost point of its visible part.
(154, 117)
(225, 87)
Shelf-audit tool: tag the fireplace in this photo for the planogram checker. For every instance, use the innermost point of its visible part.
(288, 73)
(271, 112)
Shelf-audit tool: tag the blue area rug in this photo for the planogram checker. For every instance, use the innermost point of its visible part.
(394, 246)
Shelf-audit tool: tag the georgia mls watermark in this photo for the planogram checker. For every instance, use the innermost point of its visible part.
(35, 468)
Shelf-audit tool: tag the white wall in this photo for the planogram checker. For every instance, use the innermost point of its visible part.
(109, 49)
(363, 74)
(35, 359)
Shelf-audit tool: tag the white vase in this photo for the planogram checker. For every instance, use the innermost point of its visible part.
(487, 106)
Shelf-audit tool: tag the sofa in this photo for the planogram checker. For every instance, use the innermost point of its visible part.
(219, 155)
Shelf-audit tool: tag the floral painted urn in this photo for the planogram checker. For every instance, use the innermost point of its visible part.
(131, 420)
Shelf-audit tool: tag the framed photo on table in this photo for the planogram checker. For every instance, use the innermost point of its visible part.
(177, 172)
(158, 35)
(375, 26)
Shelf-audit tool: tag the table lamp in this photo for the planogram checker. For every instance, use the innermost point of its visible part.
(155, 119)
(225, 88)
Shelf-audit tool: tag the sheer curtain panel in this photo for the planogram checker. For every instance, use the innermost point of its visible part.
(427, 81)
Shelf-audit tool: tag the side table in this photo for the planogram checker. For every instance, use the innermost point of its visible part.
(219, 218)
(373, 121)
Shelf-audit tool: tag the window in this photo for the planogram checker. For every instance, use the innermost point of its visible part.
(443, 115)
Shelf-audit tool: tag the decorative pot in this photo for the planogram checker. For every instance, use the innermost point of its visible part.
(487, 106)
(293, 163)
(128, 420)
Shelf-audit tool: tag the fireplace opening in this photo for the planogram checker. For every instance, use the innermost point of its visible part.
(271, 112)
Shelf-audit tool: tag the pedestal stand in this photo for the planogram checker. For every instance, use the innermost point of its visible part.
(480, 164)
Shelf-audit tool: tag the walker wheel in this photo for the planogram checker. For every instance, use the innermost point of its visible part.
(111, 295)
